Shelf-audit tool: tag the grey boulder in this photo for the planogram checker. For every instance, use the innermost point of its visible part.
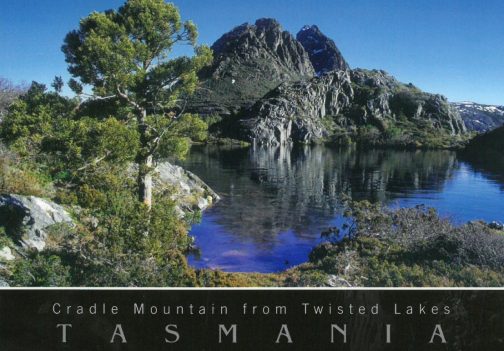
(26, 219)
(188, 191)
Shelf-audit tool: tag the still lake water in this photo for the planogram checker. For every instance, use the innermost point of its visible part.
(276, 201)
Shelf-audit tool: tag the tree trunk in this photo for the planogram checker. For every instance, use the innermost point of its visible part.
(145, 181)
(145, 162)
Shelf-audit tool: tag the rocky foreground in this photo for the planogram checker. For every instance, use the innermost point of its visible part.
(33, 224)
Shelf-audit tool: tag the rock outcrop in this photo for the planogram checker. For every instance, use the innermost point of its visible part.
(27, 218)
(312, 111)
(188, 191)
(296, 111)
(249, 61)
(379, 96)
(323, 52)
(480, 118)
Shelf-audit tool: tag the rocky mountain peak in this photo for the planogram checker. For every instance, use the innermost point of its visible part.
(249, 61)
(264, 34)
(264, 41)
(323, 52)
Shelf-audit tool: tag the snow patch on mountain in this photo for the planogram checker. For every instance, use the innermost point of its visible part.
(480, 117)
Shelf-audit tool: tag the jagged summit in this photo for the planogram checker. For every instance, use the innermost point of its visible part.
(308, 27)
(240, 32)
(323, 52)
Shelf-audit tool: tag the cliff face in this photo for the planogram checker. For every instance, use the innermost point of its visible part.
(297, 111)
(250, 61)
(342, 102)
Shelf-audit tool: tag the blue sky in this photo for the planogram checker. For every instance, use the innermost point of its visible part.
(452, 47)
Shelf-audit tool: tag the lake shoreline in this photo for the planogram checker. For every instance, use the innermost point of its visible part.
(277, 201)
(373, 257)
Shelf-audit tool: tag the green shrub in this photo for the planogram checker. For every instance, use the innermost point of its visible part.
(40, 270)
(407, 247)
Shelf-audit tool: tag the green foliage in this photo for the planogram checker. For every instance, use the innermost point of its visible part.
(118, 252)
(57, 84)
(41, 127)
(85, 148)
(124, 53)
(124, 56)
(85, 142)
(20, 177)
(117, 242)
(408, 247)
(179, 135)
(40, 270)
(4, 239)
(32, 117)
(216, 278)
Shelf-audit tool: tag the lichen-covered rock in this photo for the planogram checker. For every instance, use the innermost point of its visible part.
(296, 111)
(188, 190)
(335, 282)
(26, 219)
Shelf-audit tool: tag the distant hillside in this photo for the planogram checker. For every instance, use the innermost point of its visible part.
(480, 118)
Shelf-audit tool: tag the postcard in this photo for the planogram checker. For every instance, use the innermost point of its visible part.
(213, 175)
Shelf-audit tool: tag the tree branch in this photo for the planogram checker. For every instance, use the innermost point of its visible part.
(126, 98)
(94, 162)
(92, 98)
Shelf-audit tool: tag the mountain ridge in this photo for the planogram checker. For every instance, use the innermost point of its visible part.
(269, 87)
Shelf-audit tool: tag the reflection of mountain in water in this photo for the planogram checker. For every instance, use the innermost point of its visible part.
(270, 190)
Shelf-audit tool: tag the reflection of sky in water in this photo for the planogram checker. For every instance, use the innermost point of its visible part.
(277, 202)
(222, 250)
(469, 195)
